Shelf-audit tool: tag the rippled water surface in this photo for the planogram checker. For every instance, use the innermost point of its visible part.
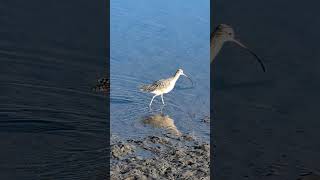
(51, 125)
(266, 125)
(150, 40)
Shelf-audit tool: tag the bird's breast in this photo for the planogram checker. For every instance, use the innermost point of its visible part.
(169, 88)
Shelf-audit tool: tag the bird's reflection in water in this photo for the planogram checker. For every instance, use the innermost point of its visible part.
(162, 121)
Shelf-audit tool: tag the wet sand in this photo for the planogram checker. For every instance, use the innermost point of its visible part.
(155, 157)
(169, 155)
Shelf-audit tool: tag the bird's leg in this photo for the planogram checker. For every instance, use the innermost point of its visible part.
(152, 100)
(162, 99)
(161, 108)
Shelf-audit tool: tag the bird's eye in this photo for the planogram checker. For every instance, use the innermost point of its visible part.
(230, 34)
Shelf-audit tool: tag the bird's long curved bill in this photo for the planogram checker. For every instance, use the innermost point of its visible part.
(188, 78)
(251, 52)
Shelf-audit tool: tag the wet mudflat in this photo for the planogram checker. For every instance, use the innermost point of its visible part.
(155, 157)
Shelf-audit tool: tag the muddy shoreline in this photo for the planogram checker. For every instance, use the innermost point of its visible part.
(160, 157)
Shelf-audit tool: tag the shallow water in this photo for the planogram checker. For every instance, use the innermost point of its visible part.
(150, 40)
(51, 125)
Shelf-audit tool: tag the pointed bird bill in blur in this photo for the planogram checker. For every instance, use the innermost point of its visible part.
(188, 78)
(225, 33)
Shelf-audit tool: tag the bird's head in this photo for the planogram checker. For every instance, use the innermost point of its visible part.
(225, 32)
(180, 72)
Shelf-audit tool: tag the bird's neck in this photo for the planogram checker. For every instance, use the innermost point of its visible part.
(215, 46)
(176, 77)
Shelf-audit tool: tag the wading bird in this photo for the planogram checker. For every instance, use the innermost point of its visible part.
(162, 86)
(222, 34)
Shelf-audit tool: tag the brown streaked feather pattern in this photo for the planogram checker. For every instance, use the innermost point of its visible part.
(103, 84)
(157, 85)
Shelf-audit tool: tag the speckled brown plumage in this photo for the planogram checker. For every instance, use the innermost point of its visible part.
(103, 85)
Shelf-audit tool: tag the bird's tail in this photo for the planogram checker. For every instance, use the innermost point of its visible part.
(144, 88)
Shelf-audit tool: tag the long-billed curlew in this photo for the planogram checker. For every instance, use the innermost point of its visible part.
(162, 86)
(222, 34)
